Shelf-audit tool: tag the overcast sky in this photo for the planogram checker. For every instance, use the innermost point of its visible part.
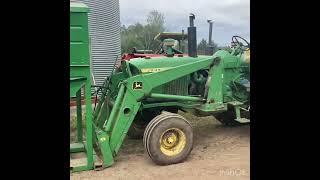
(231, 17)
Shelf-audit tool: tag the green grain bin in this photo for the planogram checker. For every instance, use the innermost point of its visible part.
(79, 46)
(80, 79)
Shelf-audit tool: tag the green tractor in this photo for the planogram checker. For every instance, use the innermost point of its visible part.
(149, 92)
(235, 84)
(144, 96)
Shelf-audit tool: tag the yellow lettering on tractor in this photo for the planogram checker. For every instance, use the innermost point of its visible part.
(152, 70)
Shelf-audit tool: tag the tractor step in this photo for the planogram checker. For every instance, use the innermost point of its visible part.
(76, 147)
(243, 120)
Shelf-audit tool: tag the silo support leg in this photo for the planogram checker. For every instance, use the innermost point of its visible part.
(79, 116)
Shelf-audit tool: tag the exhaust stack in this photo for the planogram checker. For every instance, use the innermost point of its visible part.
(210, 32)
(192, 37)
(209, 49)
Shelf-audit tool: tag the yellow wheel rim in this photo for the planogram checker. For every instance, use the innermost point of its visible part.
(172, 142)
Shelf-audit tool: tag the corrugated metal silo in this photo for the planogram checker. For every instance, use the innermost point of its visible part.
(104, 31)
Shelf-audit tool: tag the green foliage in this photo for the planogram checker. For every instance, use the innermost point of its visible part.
(131, 37)
(202, 46)
(142, 36)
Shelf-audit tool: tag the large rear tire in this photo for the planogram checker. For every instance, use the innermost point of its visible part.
(168, 139)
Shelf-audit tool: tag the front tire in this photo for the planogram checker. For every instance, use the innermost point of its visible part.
(168, 139)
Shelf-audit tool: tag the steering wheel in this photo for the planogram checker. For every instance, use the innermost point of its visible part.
(235, 40)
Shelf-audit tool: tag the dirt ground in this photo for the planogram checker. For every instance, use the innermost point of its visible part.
(219, 152)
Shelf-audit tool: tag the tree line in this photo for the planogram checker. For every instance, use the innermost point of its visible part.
(141, 36)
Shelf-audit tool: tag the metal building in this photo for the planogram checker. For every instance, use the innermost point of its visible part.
(104, 32)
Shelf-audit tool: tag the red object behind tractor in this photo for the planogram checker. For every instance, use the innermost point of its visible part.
(161, 36)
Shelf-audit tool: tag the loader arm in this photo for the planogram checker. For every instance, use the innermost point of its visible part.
(128, 101)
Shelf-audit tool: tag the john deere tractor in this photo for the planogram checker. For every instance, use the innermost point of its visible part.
(146, 94)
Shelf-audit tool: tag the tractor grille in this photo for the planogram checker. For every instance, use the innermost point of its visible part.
(175, 87)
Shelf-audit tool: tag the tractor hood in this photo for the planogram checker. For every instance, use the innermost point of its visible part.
(156, 64)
